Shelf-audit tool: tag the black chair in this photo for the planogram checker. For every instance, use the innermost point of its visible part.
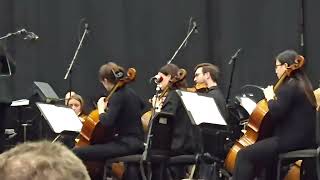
(304, 153)
(213, 140)
(157, 146)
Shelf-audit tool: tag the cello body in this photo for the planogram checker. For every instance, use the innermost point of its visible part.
(254, 132)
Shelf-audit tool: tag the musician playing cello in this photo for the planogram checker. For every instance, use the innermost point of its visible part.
(185, 136)
(292, 113)
(122, 113)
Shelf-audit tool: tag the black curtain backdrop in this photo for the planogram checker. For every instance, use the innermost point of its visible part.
(144, 34)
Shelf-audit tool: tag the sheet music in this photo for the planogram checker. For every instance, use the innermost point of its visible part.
(20, 102)
(60, 118)
(248, 104)
(203, 109)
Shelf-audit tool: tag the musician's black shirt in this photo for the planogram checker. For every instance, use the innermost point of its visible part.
(186, 137)
(220, 100)
(293, 117)
(124, 113)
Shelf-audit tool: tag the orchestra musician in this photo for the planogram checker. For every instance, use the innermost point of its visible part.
(292, 110)
(185, 137)
(209, 74)
(122, 113)
(212, 138)
(76, 102)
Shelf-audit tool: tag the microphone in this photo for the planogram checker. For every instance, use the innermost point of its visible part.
(156, 79)
(235, 56)
(86, 26)
(195, 27)
(31, 36)
(20, 32)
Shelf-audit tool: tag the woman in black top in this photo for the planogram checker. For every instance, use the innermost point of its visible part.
(185, 137)
(292, 113)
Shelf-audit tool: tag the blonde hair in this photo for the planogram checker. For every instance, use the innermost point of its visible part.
(78, 98)
(41, 160)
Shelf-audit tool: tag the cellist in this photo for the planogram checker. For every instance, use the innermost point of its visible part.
(292, 110)
(185, 137)
(122, 113)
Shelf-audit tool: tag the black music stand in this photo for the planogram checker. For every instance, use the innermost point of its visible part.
(42, 92)
(204, 113)
(45, 92)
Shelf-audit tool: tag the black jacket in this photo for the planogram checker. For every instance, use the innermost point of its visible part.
(124, 113)
(186, 137)
(220, 100)
(293, 117)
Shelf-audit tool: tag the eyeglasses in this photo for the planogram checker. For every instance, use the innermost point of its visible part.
(197, 74)
(277, 65)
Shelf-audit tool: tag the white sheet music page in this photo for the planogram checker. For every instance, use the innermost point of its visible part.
(20, 102)
(60, 118)
(202, 108)
(248, 104)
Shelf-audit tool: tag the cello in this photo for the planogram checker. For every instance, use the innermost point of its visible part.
(256, 128)
(92, 132)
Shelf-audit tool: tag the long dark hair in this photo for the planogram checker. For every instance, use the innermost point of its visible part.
(173, 70)
(289, 57)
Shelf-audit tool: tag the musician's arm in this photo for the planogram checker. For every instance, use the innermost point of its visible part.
(279, 107)
(109, 117)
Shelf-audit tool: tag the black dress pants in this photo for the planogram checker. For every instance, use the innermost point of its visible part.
(100, 152)
(262, 154)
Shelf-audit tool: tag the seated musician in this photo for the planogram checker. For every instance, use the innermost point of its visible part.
(185, 135)
(209, 74)
(292, 110)
(121, 113)
(212, 137)
(75, 102)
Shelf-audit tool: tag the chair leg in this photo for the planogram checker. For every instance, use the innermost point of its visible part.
(279, 168)
(318, 165)
(105, 169)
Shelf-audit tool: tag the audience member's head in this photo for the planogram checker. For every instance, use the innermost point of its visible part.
(41, 161)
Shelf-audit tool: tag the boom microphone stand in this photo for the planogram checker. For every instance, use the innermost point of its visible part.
(194, 27)
(232, 61)
(69, 71)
